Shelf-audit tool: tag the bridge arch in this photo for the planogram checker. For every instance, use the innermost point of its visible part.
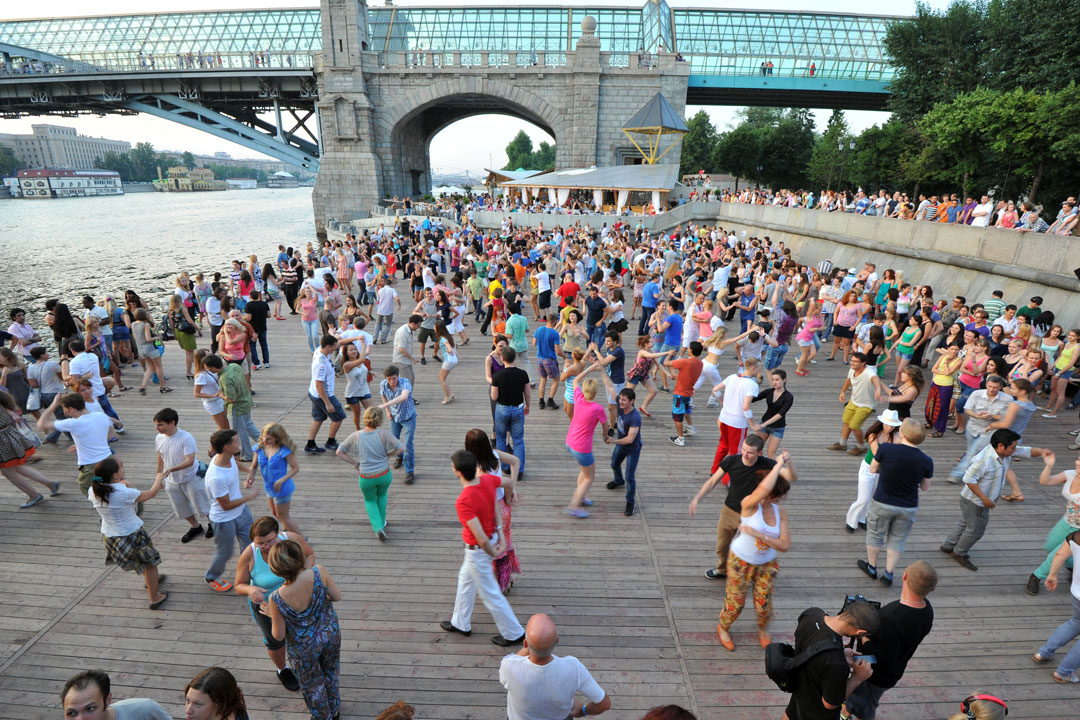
(409, 125)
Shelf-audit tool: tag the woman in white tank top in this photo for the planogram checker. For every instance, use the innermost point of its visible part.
(751, 563)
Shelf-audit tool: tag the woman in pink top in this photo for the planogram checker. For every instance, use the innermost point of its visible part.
(308, 305)
(579, 438)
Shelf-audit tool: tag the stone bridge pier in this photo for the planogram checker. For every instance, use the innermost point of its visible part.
(380, 110)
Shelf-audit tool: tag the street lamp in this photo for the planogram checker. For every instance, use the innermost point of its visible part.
(843, 159)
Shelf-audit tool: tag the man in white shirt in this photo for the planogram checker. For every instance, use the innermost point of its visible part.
(88, 696)
(404, 341)
(228, 507)
(213, 315)
(324, 405)
(541, 685)
(356, 334)
(385, 297)
(980, 216)
(85, 365)
(91, 309)
(89, 431)
(178, 468)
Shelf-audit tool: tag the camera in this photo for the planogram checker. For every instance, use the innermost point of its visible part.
(852, 599)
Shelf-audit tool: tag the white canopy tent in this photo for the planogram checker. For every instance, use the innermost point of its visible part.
(620, 180)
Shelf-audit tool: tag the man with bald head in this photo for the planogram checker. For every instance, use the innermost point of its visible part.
(541, 685)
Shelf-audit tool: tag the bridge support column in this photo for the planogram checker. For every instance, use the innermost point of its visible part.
(350, 175)
(586, 106)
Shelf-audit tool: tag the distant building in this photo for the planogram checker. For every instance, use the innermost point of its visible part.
(69, 183)
(224, 159)
(241, 183)
(180, 179)
(282, 179)
(55, 146)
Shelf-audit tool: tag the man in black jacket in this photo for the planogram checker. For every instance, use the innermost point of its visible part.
(904, 624)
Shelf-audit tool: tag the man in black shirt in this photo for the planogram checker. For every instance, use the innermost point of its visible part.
(256, 312)
(904, 624)
(744, 472)
(823, 683)
(510, 391)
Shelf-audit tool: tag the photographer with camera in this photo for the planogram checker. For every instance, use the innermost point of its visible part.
(904, 624)
(824, 681)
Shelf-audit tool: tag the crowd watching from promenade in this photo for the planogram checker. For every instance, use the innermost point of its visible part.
(710, 315)
(948, 208)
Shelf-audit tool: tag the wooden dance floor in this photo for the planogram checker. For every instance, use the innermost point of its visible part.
(628, 594)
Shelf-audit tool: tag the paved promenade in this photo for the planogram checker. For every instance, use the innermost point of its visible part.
(628, 594)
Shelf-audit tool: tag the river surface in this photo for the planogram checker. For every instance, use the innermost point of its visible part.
(70, 247)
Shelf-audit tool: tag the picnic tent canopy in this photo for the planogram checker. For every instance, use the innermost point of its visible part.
(654, 121)
(621, 180)
(498, 177)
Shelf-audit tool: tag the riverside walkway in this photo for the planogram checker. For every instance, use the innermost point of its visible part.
(628, 594)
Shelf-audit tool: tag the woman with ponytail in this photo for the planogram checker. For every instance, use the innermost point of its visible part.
(127, 544)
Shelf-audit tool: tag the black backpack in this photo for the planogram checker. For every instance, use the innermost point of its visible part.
(781, 662)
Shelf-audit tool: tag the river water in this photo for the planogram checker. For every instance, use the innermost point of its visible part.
(69, 247)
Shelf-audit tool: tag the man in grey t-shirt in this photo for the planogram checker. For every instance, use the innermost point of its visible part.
(46, 376)
(88, 696)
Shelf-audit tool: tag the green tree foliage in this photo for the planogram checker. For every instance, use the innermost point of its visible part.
(520, 154)
(224, 172)
(772, 146)
(937, 55)
(957, 147)
(698, 145)
(823, 169)
(144, 162)
(187, 160)
(877, 162)
(9, 165)
(1032, 44)
(118, 162)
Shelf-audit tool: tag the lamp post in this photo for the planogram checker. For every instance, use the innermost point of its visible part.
(843, 160)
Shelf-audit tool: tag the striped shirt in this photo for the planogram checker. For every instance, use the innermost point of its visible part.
(545, 692)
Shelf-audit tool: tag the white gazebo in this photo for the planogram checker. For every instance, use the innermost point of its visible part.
(616, 183)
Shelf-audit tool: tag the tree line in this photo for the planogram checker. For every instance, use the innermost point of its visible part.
(981, 101)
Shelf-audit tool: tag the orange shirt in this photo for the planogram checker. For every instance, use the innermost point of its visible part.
(689, 372)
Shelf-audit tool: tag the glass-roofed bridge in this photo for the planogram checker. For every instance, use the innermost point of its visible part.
(726, 49)
(330, 87)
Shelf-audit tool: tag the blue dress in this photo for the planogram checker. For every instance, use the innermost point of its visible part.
(314, 650)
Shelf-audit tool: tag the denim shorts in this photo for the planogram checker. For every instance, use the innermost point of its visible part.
(583, 459)
(774, 431)
(282, 499)
(888, 525)
(319, 413)
(355, 400)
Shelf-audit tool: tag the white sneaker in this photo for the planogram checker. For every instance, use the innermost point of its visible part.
(713, 402)
(690, 430)
(1048, 416)
(680, 441)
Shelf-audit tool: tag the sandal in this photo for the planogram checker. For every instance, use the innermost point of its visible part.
(1040, 659)
(1013, 498)
(142, 391)
(158, 603)
(126, 388)
(167, 389)
(937, 434)
(1070, 678)
(114, 394)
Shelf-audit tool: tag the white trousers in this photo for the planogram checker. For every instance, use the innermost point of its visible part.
(711, 373)
(478, 575)
(867, 484)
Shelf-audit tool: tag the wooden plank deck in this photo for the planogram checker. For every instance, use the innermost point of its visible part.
(627, 594)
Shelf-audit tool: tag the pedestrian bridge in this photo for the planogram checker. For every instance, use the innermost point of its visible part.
(393, 77)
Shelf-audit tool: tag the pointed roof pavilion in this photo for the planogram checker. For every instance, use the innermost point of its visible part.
(655, 120)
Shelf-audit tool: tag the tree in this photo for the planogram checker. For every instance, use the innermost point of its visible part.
(937, 55)
(519, 152)
(823, 168)
(738, 152)
(955, 131)
(187, 160)
(877, 161)
(1031, 44)
(544, 157)
(9, 164)
(143, 162)
(118, 162)
(698, 145)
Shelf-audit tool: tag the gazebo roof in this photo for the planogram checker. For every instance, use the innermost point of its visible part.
(657, 116)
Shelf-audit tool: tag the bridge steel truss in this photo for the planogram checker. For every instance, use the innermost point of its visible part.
(229, 103)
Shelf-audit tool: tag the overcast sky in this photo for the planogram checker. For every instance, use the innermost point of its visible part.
(452, 150)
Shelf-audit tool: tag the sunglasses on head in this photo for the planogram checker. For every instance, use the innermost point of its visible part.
(965, 705)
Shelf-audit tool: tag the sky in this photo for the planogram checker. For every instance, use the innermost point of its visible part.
(454, 149)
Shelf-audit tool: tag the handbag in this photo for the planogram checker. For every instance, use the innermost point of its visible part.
(33, 402)
(183, 325)
(29, 435)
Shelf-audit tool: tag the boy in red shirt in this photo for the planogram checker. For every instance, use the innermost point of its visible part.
(484, 540)
(681, 398)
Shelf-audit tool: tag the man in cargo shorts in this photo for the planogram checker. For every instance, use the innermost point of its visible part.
(545, 339)
(866, 391)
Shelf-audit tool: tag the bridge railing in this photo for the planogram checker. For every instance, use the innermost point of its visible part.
(150, 62)
(434, 60)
